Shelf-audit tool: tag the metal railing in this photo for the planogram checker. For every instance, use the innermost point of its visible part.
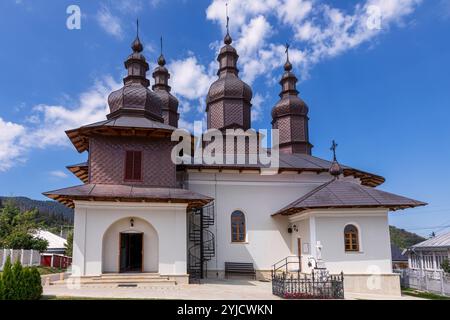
(288, 264)
(307, 286)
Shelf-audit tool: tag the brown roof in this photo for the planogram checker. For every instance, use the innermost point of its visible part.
(81, 170)
(104, 192)
(123, 125)
(288, 162)
(299, 162)
(345, 194)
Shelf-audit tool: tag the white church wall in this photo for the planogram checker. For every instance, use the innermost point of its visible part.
(92, 220)
(374, 255)
(258, 196)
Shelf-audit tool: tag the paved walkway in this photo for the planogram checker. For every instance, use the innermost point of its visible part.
(212, 290)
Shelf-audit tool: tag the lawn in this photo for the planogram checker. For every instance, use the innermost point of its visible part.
(422, 294)
(49, 270)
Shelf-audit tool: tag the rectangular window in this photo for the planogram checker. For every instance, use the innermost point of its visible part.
(133, 165)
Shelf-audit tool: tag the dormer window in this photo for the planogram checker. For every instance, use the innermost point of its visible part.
(133, 166)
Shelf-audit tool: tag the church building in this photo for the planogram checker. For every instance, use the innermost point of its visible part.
(139, 212)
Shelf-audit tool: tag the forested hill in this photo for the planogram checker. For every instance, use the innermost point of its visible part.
(51, 213)
(404, 239)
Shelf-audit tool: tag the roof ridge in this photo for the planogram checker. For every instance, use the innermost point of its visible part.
(331, 191)
(364, 189)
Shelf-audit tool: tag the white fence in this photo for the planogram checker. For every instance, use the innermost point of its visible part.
(431, 281)
(26, 257)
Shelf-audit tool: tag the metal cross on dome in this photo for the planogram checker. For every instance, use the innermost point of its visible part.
(333, 148)
(228, 18)
(287, 50)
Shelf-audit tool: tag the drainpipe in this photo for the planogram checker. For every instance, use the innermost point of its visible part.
(201, 244)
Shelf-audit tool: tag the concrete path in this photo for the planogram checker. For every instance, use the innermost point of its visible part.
(211, 290)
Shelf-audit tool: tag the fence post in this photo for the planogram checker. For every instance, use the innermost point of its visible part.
(21, 256)
(4, 258)
(442, 282)
(30, 264)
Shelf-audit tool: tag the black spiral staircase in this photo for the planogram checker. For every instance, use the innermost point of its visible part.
(202, 246)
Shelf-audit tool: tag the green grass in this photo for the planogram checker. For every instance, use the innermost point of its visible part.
(424, 295)
(49, 270)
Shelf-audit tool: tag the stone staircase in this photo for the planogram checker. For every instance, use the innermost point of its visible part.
(118, 280)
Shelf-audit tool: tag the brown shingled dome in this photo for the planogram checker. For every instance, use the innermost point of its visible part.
(134, 96)
(229, 86)
(290, 105)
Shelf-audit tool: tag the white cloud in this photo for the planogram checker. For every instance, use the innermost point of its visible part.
(257, 107)
(189, 78)
(10, 149)
(110, 23)
(59, 174)
(322, 30)
(47, 124)
(294, 11)
(54, 120)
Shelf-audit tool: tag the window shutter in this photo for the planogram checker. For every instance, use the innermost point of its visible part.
(137, 165)
(129, 165)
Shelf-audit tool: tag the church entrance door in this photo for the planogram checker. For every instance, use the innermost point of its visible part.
(131, 245)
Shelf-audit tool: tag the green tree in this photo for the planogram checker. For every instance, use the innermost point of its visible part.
(8, 280)
(17, 229)
(18, 284)
(69, 244)
(36, 283)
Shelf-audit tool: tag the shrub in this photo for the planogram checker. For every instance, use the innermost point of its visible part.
(445, 265)
(18, 283)
(8, 280)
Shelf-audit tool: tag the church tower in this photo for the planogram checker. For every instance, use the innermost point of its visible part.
(169, 106)
(228, 104)
(290, 115)
(135, 98)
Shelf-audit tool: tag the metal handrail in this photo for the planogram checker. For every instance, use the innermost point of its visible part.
(286, 263)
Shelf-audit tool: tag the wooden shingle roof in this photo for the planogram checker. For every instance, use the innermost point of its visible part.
(339, 193)
(125, 193)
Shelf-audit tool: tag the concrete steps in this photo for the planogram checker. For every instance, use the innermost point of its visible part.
(122, 280)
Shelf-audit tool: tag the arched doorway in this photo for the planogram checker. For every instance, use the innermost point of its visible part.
(130, 245)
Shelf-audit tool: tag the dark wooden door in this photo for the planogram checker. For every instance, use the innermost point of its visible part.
(299, 253)
(131, 252)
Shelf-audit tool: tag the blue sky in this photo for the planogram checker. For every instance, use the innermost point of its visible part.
(382, 91)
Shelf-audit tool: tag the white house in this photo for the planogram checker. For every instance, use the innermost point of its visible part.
(429, 254)
(137, 211)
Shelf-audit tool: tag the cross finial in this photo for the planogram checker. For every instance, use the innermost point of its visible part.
(287, 51)
(333, 148)
(137, 28)
(228, 19)
(161, 45)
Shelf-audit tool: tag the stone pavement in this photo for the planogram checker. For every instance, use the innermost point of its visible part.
(211, 290)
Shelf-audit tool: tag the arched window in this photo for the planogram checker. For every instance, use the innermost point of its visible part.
(351, 238)
(237, 226)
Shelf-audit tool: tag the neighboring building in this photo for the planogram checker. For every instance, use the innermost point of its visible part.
(399, 258)
(429, 254)
(139, 212)
(56, 244)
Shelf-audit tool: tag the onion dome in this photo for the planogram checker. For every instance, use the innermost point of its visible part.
(290, 114)
(228, 103)
(135, 97)
(169, 104)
